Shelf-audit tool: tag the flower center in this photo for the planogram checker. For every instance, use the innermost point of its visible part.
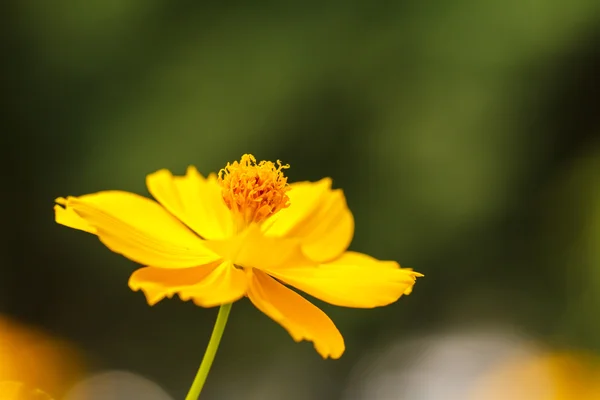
(254, 191)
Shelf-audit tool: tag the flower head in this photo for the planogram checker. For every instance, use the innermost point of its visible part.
(243, 232)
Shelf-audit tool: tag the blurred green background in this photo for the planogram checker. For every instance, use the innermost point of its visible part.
(465, 135)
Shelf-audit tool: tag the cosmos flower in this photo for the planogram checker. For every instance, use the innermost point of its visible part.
(243, 232)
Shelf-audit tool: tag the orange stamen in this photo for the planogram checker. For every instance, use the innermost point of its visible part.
(254, 191)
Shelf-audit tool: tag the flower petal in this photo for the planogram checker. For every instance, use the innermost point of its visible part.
(158, 283)
(302, 319)
(225, 284)
(207, 286)
(352, 280)
(138, 228)
(194, 200)
(252, 248)
(318, 216)
(68, 217)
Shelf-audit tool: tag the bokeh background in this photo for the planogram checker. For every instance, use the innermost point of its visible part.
(464, 133)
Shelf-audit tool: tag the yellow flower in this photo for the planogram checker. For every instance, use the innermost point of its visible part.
(10, 390)
(243, 232)
(556, 375)
(31, 359)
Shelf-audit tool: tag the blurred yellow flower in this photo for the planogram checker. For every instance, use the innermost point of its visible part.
(549, 376)
(18, 391)
(243, 232)
(30, 359)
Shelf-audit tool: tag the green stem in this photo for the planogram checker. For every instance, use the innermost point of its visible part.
(209, 355)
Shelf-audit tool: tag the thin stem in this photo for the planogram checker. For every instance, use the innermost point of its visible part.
(209, 355)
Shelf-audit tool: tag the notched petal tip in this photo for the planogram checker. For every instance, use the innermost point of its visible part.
(192, 170)
(140, 229)
(325, 182)
(153, 298)
(414, 275)
(158, 174)
(65, 215)
(353, 280)
(153, 292)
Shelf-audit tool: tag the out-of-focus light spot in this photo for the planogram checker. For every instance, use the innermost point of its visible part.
(442, 367)
(553, 376)
(36, 360)
(117, 385)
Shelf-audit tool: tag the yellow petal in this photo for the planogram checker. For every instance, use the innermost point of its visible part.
(68, 217)
(207, 286)
(353, 280)
(158, 283)
(252, 248)
(318, 216)
(194, 200)
(140, 229)
(225, 284)
(298, 316)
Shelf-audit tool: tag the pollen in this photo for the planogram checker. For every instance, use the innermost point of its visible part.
(254, 191)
